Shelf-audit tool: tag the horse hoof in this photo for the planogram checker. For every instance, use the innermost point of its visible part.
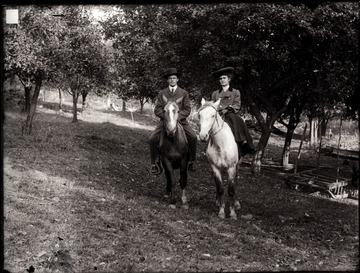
(185, 206)
(237, 205)
(172, 206)
(222, 215)
(233, 216)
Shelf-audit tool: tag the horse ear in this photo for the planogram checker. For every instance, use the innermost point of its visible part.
(164, 99)
(217, 103)
(179, 100)
(202, 101)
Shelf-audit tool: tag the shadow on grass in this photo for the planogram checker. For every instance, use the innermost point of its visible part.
(114, 157)
(56, 107)
(91, 151)
(113, 160)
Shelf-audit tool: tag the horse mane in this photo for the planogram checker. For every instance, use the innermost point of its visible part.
(206, 104)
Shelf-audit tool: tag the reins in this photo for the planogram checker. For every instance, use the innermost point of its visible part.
(181, 130)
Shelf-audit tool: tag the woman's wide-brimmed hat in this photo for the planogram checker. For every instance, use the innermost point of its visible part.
(170, 72)
(223, 71)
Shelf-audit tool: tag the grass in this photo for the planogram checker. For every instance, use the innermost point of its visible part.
(79, 198)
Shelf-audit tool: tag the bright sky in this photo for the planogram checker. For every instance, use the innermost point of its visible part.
(101, 15)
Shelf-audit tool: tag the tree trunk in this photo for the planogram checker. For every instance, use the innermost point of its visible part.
(299, 151)
(84, 95)
(338, 149)
(124, 105)
(266, 126)
(313, 132)
(319, 152)
(286, 151)
(26, 107)
(26, 130)
(60, 99)
(265, 135)
(141, 106)
(108, 101)
(322, 127)
(288, 138)
(75, 96)
(257, 159)
(26, 82)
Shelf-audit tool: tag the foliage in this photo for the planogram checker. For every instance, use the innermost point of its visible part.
(29, 54)
(335, 33)
(136, 38)
(29, 45)
(279, 51)
(61, 45)
(84, 62)
(289, 59)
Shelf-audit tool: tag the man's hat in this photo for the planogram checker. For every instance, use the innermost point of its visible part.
(223, 71)
(170, 72)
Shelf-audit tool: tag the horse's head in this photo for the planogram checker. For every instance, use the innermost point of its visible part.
(207, 117)
(171, 114)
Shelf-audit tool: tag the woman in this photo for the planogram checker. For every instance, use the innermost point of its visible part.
(229, 107)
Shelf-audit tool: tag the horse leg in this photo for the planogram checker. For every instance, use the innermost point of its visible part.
(170, 187)
(241, 159)
(236, 199)
(219, 191)
(232, 191)
(183, 183)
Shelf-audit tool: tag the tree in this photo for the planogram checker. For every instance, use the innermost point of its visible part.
(281, 54)
(257, 41)
(336, 35)
(29, 54)
(84, 65)
(138, 37)
(58, 44)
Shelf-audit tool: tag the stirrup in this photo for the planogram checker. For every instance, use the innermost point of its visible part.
(154, 169)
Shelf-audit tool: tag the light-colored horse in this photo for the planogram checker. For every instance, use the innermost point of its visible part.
(222, 153)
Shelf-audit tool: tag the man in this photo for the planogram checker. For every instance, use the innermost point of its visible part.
(172, 93)
(229, 107)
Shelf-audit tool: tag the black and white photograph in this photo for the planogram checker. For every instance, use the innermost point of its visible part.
(180, 137)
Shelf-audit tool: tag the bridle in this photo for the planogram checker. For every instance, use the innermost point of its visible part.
(211, 133)
(167, 128)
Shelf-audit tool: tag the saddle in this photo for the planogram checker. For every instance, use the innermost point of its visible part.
(243, 147)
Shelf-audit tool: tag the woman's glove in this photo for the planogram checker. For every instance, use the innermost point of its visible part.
(230, 109)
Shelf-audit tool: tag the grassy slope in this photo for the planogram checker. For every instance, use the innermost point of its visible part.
(88, 184)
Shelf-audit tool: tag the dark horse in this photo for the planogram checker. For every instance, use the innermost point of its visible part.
(174, 153)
